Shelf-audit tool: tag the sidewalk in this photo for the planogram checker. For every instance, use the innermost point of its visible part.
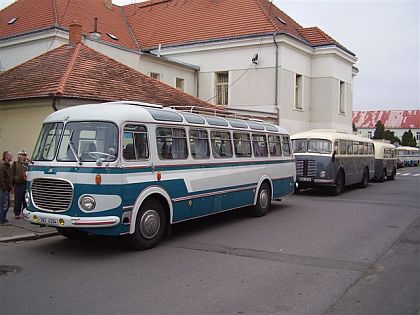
(21, 229)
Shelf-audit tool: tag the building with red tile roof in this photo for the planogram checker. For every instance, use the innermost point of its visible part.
(248, 56)
(398, 121)
(71, 75)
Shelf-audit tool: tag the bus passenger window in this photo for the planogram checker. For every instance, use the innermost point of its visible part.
(370, 149)
(274, 145)
(286, 145)
(242, 144)
(349, 145)
(343, 147)
(135, 145)
(199, 144)
(171, 143)
(259, 144)
(221, 144)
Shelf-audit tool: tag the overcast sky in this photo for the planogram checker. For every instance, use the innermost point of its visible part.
(384, 35)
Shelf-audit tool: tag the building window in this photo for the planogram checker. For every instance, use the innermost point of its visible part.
(155, 75)
(180, 84)
(298, 91)
(418, 136)
(370, 134)
(221, 88)
(342, 109)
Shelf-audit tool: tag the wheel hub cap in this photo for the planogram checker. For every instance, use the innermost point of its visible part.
(149, 224)
(264, 198)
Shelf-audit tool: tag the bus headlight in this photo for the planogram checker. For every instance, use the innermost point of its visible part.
(27, 197)
(87, 203)
(322, 174)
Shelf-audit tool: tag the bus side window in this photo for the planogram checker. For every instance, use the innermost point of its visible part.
(349, 145)
(135, 144)
(370, 149)
(172, 143)
(199, 144)
(274, 145)
(242, 144)
(221, 144)
(286, 145)
(342, 147)
(259, 144)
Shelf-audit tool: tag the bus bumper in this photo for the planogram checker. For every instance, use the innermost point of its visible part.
(59, 220)
(319, 181)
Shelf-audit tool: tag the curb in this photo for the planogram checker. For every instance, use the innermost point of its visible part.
(25, 237)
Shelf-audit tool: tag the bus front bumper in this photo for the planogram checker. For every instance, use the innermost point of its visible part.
(320, 181)
(59, 220)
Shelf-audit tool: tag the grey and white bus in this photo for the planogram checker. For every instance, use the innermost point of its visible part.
(332, 159)
(385, 160)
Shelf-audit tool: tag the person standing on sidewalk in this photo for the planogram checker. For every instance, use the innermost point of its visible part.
(19, 176)
(6, 185)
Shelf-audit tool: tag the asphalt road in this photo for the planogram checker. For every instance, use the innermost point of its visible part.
(357, 253)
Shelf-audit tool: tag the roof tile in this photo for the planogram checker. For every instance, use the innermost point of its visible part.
(404, 119)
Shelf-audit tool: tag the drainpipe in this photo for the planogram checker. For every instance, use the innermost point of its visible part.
(276, 81)
(197, 72)
(53, 101)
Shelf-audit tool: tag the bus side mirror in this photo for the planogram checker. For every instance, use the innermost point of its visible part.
(333, 156)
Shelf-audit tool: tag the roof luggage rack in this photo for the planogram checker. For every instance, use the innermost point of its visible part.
(211, 111)
(142, 104)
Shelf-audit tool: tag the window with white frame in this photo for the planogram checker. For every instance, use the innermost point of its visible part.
(418, 135)
(180, 84)
(370, 134)
(155, 75)
(342, 108)
(298, 91)
(221, 88)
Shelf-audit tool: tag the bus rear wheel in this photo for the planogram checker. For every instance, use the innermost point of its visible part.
(263, 201)
(150, 225)
(365, 179)
(394, 173)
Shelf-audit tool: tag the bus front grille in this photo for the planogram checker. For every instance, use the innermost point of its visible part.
(52, 194)
(306, 168)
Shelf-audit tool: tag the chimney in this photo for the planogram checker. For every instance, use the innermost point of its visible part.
(108, 4)
(95, 34)
(75, 35)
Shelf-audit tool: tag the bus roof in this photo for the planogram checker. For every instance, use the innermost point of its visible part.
(126, 111)
(328, 134)
(401, 147)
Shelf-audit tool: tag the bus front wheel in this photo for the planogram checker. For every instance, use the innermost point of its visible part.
(150, 225)
(263, 201)
(394, 172)
(339, 184)
(365, 179)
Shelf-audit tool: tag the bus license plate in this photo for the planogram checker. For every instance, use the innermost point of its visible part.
(305, 179)
(48, 221)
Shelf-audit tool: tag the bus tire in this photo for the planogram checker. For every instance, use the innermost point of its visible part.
(383, 176)
(263, 201)
(365, 179)
(150, 225)
(339, 184)
(394, 173)
(72, 233)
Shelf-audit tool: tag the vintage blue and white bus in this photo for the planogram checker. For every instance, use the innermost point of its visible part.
(408, 156)
(332, 159)
(385, 160)
(128, 168)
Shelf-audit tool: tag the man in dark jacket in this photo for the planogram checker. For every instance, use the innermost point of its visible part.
(6, 185)
(19, 175)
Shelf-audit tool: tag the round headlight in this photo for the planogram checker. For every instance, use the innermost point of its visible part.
(27, 197)
(322, 174)
(87, 203)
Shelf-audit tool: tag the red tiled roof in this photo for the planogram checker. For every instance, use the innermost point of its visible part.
(166, 22)
(180, 22)
(40, 14)
(81, 72)
(404, 119)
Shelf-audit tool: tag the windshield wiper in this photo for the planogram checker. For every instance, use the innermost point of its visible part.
(73, 150)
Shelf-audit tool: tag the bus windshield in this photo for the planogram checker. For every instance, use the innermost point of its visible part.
(89, 141)
(312, 146)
